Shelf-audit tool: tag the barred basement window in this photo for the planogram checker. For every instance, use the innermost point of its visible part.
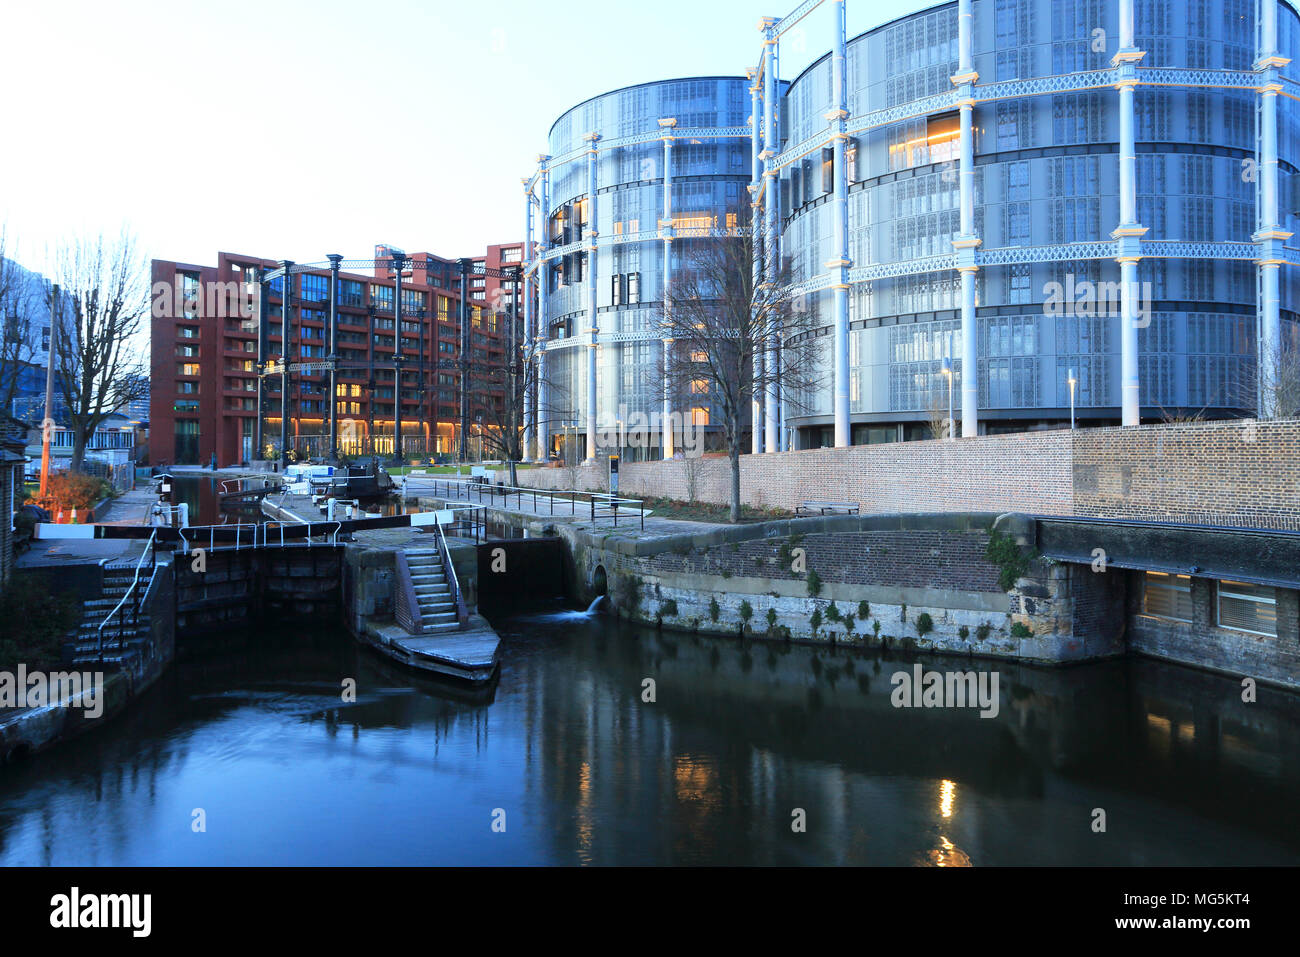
(1245, 607)
(1167, 596)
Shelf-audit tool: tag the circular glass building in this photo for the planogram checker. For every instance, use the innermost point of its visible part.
(1022, 210)
(632, 177)
(1046, 131)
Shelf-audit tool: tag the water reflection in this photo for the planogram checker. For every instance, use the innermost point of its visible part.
(739, 737)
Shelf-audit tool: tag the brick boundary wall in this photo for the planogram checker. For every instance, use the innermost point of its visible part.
(1241, 473)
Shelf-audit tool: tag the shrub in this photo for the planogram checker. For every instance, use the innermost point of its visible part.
(814, 583)
(24, 522)
(849, 624)
(69, 490)
(746, 611)
(864, 610)
(832, 612)
(34, 624)
(668, 607)
(771, 618)
(963, 632)
(982, 631)
(924, 624)
(714, 609)
(875, 627)
(815, 621)
(1020, 630)
(1003, 552)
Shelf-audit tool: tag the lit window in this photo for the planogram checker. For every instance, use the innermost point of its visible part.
(1167, 596)
(1245, 607)
(699, 416)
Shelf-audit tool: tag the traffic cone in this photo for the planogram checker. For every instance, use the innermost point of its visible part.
(74, 516)
(59, 519)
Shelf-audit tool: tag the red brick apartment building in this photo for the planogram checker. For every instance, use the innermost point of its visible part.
(204, 364)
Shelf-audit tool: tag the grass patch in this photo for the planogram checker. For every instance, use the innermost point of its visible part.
(709, 512)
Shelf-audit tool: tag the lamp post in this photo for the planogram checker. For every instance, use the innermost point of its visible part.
(1073, 381)
(947, 371)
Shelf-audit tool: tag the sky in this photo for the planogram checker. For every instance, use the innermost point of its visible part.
(290, 130)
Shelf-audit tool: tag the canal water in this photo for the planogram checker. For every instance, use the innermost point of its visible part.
(741, 742)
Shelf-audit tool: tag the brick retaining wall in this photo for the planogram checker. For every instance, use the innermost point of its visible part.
(1240, 472)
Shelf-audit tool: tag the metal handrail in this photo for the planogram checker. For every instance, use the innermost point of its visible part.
(328, 529)
(462, 613)
(569, 496)
(150, 550)
(170, 511)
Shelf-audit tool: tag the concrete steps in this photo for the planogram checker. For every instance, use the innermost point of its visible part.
(119, 644)
(432, 591)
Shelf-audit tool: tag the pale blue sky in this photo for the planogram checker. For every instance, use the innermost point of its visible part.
(291, 129)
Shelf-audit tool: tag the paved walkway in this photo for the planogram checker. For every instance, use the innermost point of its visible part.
(541, 508)
(130, 508)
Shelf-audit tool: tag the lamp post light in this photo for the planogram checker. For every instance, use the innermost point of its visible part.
(1073, 381)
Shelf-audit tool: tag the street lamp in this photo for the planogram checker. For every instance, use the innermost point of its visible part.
(947, 371)
(1073, 381)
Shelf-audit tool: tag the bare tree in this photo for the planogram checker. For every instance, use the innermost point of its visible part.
(692, 465)
(1181, 416)
(719, 319)
(20, 335)
(1271, 385)
(101, 361)
(936, 410)
(497, 397)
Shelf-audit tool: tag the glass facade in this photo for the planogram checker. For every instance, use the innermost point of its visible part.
(1046, 176)
(1045, 204)
(710, 176)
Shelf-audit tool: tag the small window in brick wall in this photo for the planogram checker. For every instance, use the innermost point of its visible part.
(1244, 607)
(1167, 596)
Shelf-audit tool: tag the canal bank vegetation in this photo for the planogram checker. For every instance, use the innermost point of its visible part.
(1011, 560)
(34, 624)
(708, 512)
